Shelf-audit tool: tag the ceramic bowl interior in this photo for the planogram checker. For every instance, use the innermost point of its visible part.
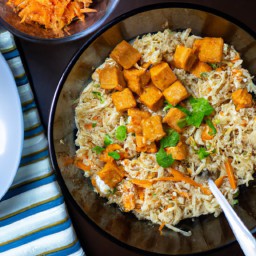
(208, 232)
(76, 29)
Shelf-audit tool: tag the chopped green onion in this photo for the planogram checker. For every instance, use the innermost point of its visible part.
(98, 95)
(204, 75)
(213, 65)
(235, 201)
(212, 127)
(114, 155)
(121, 132)
(107, 140)
(98, 149)
(203, 153)
(94, 124)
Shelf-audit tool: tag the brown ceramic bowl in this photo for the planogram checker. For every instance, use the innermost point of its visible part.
(77, 29)
(208, 233)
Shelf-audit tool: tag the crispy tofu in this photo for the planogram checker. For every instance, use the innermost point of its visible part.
(162, 76)
(128, 202)
(209, 49)
(179, 152)
(137, 116)
(143, 146)
(111, 78)
(184, 57)
(242, 99)
(125, 55)
(175, 93)
(136, 79)
(172, 118)
(111, 174)
(152, 97)
(199, 68)
(123, 100)
(110, 148)
(152, 128)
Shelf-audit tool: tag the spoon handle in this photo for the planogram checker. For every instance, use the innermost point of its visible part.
(242, 234)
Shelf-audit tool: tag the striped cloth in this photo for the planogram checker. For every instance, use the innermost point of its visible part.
(33, 216)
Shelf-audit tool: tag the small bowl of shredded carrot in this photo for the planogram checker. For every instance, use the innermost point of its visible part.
(53, 20)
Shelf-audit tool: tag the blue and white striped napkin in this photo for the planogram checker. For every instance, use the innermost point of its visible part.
(33, 215)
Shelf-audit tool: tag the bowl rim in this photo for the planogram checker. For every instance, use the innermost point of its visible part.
(112, 5)
(60, 85)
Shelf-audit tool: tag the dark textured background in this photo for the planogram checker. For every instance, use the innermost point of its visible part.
(46, 64)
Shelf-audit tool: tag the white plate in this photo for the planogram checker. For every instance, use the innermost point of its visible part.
(11, 127)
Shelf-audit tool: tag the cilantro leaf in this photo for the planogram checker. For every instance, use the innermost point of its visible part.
(94, 124)
(107, 140)
(169, 105)
(201, 108)
(98, 149)
(114, 154)
(201, 105)
(121, 132)
(98, 95)
(163, 159)
(182, 122)
(212, 127)
(170, 140)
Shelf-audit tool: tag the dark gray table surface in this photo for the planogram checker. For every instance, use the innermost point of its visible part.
(46, 64)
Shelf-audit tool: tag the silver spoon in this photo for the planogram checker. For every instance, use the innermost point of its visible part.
(242, 234)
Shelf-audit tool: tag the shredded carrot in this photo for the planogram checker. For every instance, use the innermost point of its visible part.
(88, 126)
(230, 173)
(95, 118)
(51, 14)
(79, 164)
(142, 183)
(178, 176)
(219, 181)
(161, 228)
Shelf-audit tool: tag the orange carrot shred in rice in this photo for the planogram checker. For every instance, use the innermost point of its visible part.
(52, 14)
(161, 228)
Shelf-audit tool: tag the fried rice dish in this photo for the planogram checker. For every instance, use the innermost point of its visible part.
(161, 116)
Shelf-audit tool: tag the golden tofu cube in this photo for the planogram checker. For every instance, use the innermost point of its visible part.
(209, 49)
(152, 97)
(242, 99)
(152, 128)
(123, 100)
(136, 79)
(179, 152)
(175, 93)
(137, 116)
(111, 78)
(199, 68)
(173, 117)
(162, 76)
(125, 55)
(184, 57)
(111, 174)
(143, 146)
